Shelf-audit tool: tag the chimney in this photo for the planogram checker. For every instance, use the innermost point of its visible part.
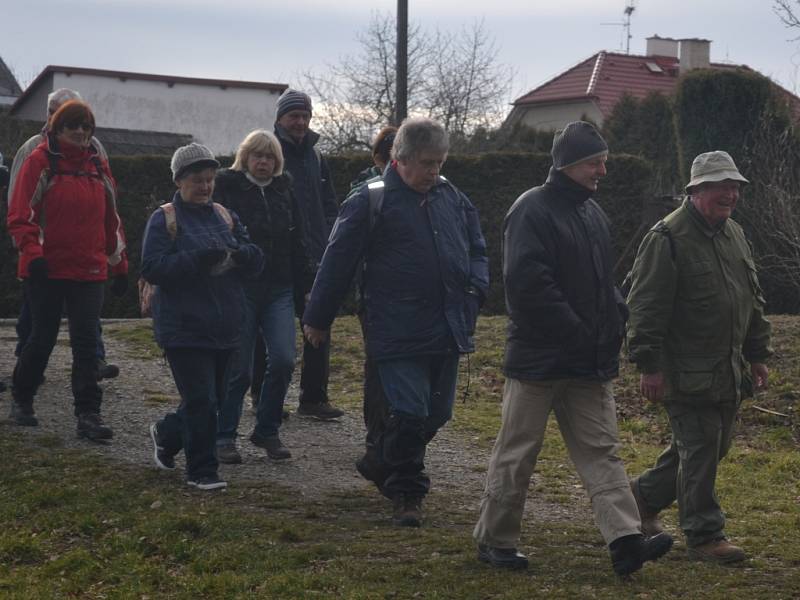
(658, 46)
(695, 53)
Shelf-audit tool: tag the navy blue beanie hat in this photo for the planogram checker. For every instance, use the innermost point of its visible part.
(578, 141)
(293, 100)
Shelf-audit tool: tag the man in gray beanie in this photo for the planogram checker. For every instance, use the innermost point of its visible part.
(700, 340)
(316, 198)
(567, 321)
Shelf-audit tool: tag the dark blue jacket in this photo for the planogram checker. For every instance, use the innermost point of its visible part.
(424, 256)
(193, 307)
(313, 188)
(566, 316)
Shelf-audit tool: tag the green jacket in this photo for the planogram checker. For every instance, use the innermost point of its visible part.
(697, 309)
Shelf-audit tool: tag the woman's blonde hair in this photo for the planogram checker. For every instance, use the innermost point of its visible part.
(259, 140)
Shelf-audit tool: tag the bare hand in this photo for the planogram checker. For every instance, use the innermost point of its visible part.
(760, 374)
(651, 385)
(315, 337)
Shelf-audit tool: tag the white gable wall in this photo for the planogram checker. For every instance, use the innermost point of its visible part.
(216, 116)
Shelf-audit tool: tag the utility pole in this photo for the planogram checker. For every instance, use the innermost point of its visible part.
(401, 67)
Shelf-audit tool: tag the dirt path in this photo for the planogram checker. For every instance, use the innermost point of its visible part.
(323, 454)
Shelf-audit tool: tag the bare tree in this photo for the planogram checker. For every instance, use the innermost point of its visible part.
(787, 12)
(454, 78)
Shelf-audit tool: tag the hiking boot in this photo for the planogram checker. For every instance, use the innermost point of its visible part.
(407, 510)
(717, 551)
(104, 370)
(160, 456)
(22, 414)
(272, 444)
(324, 411)
(206, 483)
(228, 454)
(91, 426)
(502, 558)
(650, 524)
(630, 552)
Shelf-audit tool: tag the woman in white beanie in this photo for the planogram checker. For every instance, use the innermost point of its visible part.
(197, 253)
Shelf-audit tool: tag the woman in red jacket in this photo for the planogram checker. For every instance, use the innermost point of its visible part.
(64, 223)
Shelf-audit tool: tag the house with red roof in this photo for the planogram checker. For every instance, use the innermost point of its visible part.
(590, 89)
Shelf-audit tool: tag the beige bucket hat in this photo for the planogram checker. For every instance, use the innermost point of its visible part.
(713, 166)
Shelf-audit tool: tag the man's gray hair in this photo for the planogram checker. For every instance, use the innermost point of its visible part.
(60, 96)
(419, 134)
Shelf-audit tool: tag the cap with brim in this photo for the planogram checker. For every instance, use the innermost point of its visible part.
(713, 167)
(194, 157)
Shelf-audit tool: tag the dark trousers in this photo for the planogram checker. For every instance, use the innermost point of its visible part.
(201, 376)
(259, 368)
(420, 392)
(314, 373)
(24, 327)
(83, 301)
(687, 470)
(376, 407)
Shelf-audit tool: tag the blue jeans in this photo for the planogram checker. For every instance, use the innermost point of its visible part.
(25, 326)
(420, 391)
(201, 378)
(274, 317)
(47, 300)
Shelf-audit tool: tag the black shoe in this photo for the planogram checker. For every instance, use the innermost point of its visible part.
(272, 444)
(228, 454)
(209, 482)
(502, 558)
(407, 510)
(91, 426)
(104, 370)
(629, 553)
(324, 411)
(160, 456)
(22, 414)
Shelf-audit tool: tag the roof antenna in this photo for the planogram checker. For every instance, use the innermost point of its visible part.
(626, 24)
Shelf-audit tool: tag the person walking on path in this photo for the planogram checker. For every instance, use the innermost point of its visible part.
(196, 253)
(64, 222)
(425, 278)
(260, 193)
(699, 338)
(566, 324)
(313, 189)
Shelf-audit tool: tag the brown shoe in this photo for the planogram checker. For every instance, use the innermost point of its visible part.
(717, 551)
(650, 524)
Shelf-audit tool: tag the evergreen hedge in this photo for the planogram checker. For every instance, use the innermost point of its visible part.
(492, 181)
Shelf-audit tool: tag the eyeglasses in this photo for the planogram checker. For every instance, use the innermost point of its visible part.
(84, 126)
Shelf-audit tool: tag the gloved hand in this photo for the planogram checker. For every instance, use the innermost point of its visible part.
(240, 256)
(120, 285)
(208, 257)
(37, 270)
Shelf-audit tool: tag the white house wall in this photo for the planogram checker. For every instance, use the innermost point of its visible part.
(217, 117)
(555, 116)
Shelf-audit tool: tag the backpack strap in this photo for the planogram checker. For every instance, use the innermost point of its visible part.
(170, 220)
(224, 214)
(375, 188)
(662, 228)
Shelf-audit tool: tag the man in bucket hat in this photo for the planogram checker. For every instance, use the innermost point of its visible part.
(566, 326)
(698, 336)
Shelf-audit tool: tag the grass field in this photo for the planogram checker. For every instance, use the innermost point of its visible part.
(74, 525)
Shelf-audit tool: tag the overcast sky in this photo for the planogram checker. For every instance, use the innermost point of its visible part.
(270, 40)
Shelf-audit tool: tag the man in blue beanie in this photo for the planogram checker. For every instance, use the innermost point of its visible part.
(567, 321)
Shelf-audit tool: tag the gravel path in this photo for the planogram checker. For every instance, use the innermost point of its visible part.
(323, 453)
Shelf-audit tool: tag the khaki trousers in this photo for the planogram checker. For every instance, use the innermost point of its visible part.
(586, 415)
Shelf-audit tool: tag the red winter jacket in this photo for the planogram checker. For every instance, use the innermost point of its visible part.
(70, 217)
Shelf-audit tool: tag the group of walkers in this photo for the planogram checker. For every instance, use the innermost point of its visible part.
(238, 254)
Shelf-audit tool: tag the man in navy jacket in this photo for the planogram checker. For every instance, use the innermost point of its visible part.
(425, 278)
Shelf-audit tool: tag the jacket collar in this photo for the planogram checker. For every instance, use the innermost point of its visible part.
(178, 200)
(240, 179)
(309, 141)
(566, 187)
(392, 179)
